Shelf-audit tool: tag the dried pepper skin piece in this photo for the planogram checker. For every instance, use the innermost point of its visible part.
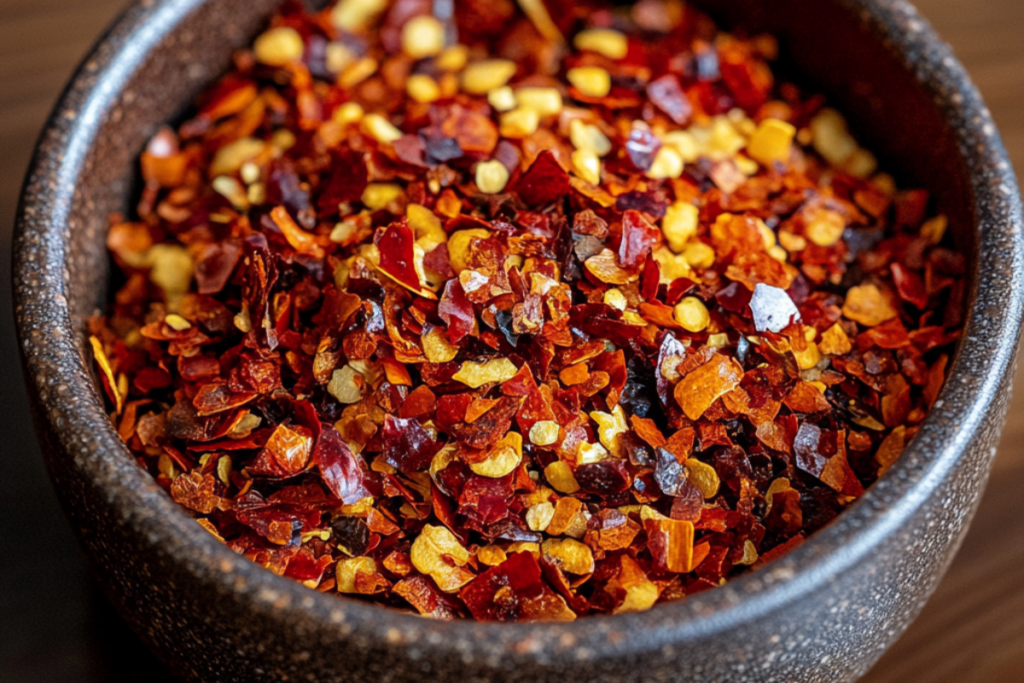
(514, 591)
(499, 329)
(408, 446)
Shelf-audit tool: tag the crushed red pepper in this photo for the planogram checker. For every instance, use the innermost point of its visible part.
(531, 312)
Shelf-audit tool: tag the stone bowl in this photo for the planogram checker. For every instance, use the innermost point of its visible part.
(825, 612)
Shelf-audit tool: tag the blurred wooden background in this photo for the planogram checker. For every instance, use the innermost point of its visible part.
(53, 627)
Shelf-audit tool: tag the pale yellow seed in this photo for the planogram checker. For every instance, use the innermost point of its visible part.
(233, 155)
(459, 244)
(479, 78)
(177, 323)
(378, 196)
(474, 375)
(935, 229)
(570, 555)
(423, 37)
(778, 253)
(279, 46)
(232, 190)
(692, 314)
(355, 15)
(538, 517)
(357, 72)
(680, 225)
(544, 433)
(380, 129)
(337, 56)
(791, 242)
(587, 165)
(524, 547)
(348, 113)
(559, 475)
(491, 555)
(616, 299)
(699, 255)
(453, 59)
(501, 462)
(171, 271)
(544, 101)
(683, 142)
(502, 99)
(826, 228)
(436, 346)
(346, 385)
(588, 136)
(667, 164)
(610, 426)
(588, 453)
(831, 137)
(861, 164)
(749, 553)
(433, 551)
(703, 477)
(519, 123)
(672, 266)
(771, 142)
(591, 81)
(491, 176)
(746, 165)
(347, 569)
(423, 88)
(604, 41)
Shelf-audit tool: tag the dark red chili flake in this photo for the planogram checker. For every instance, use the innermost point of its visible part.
(518, 318)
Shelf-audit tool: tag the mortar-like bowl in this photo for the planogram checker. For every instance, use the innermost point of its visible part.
(825, 612)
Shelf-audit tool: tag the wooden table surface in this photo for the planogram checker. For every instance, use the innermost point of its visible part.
(53, 626)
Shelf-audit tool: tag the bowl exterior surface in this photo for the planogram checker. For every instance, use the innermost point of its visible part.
(824, 613)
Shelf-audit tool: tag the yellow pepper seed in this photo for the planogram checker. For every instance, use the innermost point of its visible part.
(680, 225)
(544, 101)
(588, 136)
(378, 196)
(591, 81)
(502, 99)
(616, 299)
(423, 88)
(699, 255)
(474, 375)
(826, 228)
(453, 59)
(480, 78)
(380, 129)
(356, 15)
(587, 165)
(559, 475)
(491, 176)
(544, 433)
(279, 46)
(423, 37)
(519, 123)
(569, 555)
(667, 164)
(771, 142)
(538, 517)
(692, 314)
(604, 41)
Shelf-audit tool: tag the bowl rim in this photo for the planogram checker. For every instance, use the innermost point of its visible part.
(82, 432)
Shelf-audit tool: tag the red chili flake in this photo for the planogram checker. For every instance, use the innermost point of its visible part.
(348, 315)
(544, 182)
(668, 96)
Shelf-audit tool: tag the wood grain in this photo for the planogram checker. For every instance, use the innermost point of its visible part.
(972, 631)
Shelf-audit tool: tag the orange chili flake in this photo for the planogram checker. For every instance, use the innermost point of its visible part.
(417, 319)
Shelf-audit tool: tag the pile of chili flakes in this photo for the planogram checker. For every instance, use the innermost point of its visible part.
(580, 314)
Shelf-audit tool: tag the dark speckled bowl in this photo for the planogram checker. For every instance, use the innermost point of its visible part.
(826, 612)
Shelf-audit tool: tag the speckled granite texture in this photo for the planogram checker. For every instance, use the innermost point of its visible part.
(824, 613)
